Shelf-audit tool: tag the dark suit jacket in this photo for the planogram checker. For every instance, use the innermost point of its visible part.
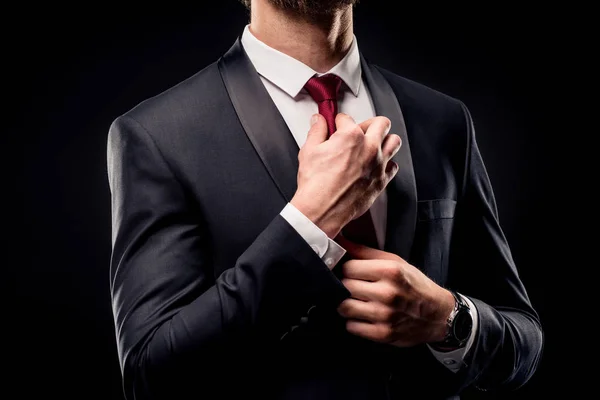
(215, 294)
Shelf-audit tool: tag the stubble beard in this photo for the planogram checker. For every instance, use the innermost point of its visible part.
(313, 7)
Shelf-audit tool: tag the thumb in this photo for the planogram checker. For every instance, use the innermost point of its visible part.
(361, 252)
(318, 131)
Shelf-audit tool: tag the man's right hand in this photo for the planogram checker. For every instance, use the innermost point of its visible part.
(339, 178)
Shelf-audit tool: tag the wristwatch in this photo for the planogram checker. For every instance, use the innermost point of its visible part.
(460, 324)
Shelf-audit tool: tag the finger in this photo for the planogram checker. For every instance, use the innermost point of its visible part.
(378, 129)
(372, 331)
(344, 122)
(366, 123)
(362, 252)
(361, 290)
(318, 131)
(390, 146)
(356, 309)
(391, 169)
(363, 270)
(369, 311)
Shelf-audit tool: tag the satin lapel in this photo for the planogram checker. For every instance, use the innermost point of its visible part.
(274, 143)
(402, 190)
(261, 120)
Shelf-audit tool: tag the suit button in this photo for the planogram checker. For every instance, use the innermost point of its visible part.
(311, 309)
(304, 320)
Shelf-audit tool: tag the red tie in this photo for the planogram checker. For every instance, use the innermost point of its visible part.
(324, 90)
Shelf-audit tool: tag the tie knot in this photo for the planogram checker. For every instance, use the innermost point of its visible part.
(324, 87)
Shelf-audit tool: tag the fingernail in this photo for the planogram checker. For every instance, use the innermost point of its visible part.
(314, 119)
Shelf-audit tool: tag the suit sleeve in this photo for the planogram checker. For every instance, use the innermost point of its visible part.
(177, 323)
(509, 340)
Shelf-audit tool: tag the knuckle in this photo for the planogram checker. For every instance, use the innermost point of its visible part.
(389, 295)
(386, 314)
(384, 332)
(385, 121)
(356, 134)
(394, 271)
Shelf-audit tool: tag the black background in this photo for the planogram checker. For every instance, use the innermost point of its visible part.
(71, 72)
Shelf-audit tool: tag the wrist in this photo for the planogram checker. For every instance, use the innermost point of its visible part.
(447, 308)
(329, 224)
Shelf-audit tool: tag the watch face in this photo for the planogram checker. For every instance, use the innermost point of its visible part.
(463, 323)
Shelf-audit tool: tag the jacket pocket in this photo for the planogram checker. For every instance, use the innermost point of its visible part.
(435, 209)
(431, 248)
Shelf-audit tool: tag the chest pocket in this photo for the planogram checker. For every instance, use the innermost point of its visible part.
(435, 219)
(429, 210)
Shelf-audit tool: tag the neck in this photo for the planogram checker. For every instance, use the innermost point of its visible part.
(319, 41)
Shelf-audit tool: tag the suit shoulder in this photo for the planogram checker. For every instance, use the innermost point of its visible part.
(181, 104)
(422, 100)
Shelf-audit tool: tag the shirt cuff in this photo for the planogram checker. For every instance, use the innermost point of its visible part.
(327, 249)
(454, 360)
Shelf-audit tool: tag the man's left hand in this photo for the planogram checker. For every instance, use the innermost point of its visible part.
(391, 301)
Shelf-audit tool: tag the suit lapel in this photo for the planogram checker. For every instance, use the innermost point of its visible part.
(274, 143)
(261, 120)
(402, 190)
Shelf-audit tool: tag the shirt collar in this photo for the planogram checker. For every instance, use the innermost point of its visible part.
(289, 74)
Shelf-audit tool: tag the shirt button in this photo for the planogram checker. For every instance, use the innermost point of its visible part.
(329, 262)
(315, 248)
(449, 361)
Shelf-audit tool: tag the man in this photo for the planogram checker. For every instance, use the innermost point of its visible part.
(293, 222)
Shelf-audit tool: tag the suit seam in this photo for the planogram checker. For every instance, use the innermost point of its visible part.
(158, 150)
(469, 139)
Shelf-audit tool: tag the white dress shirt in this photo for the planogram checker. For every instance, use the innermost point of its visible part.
(284, 78)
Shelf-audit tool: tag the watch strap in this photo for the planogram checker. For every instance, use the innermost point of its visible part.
(450, 342)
